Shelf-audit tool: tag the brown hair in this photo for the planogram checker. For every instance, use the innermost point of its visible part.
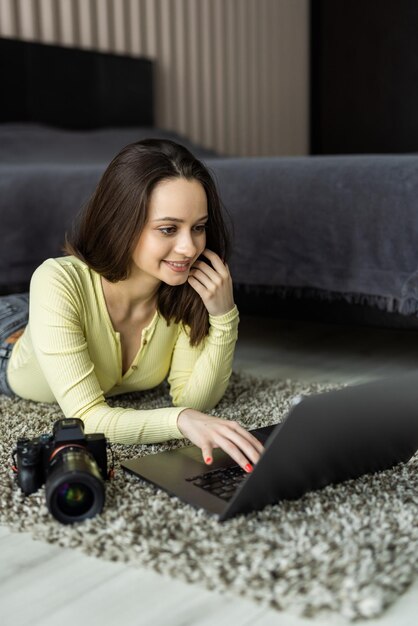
(109, 226)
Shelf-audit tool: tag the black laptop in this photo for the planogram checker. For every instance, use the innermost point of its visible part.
(325, 439)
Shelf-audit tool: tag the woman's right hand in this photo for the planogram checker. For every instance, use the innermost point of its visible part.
(208, 432)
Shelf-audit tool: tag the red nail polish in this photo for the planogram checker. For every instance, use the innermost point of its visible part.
(248, 467)
(208, 460)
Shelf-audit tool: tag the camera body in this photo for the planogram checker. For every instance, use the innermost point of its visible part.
(35, 457)
(72, 465)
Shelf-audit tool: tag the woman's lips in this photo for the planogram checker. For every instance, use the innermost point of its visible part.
(178, 266)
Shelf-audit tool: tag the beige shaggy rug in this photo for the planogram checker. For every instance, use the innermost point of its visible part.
(349, 549)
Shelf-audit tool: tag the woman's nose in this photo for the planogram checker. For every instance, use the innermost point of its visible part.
(186, 245)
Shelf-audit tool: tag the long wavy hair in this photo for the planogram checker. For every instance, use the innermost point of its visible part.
(106, 232)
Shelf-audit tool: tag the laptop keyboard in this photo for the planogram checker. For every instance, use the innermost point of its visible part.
(222, 482)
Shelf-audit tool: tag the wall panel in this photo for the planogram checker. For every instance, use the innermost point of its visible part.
(230, 74)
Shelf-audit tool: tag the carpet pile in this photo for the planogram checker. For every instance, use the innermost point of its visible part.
(349, 549)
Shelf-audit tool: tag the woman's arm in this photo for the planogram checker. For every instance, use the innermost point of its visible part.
(200, 378)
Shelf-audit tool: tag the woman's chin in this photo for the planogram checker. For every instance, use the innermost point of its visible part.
(175, 281)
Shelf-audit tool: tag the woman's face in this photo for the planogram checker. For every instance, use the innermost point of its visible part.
(174, 235)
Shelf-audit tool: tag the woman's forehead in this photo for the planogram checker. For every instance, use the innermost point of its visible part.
(177, 198)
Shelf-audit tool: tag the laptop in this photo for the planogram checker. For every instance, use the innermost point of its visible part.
(326, 438)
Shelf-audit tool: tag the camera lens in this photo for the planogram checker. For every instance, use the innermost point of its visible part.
(74, 487)
(74, 498)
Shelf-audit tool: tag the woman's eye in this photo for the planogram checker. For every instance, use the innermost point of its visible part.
(171, 230)
(168, 230)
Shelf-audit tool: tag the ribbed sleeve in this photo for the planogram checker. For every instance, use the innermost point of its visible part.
(199, 376)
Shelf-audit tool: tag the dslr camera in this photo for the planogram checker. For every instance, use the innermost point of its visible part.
(72, 465)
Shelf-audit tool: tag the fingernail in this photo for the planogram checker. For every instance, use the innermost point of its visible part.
(248, 467)
(208, 460)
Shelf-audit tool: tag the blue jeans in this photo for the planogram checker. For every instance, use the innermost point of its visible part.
(14, 314)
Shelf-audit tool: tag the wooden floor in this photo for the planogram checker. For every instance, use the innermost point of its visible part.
(42, 585)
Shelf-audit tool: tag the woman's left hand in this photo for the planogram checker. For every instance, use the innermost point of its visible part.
(213, 284)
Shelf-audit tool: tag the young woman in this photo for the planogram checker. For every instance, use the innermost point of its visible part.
(143, 295)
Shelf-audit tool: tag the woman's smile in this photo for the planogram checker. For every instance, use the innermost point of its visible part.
(178, 266)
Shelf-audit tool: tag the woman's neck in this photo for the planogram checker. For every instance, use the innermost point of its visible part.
(127, 297)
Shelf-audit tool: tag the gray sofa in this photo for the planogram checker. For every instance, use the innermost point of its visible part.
(318, 231)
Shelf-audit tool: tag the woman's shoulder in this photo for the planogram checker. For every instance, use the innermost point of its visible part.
(69, 265)
(63, 272)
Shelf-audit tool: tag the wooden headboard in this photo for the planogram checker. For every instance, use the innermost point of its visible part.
(72, 88)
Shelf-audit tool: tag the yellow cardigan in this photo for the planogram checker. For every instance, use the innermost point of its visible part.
(71, 354)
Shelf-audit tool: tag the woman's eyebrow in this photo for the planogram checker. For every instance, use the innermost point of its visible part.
(176, 219)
